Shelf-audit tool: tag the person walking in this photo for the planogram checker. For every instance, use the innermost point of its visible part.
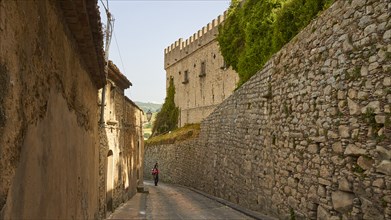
(155, 173)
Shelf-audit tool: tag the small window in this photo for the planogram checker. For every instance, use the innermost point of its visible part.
(203, 69)
(185, 77)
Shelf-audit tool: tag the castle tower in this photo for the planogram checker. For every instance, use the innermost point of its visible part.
(201, 78)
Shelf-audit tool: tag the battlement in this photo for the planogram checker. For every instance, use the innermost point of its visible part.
(182, 48)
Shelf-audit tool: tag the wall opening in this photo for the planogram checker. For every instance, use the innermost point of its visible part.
(109, 181)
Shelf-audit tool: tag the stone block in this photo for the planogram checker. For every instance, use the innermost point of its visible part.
(332, 134)
(324, 182)
(319, 139)
(344, 131)
(387, 36)
(380, 119)
(337, 147)
(378, 183)
(355, 133)
(365, 162)
(375, 106)
(344, 185)
(358, 3)
(354, 108)
(353, 150)
(321, 191)
(384, 167)
(352, 94)
(342, 201)
(324, 171)
(364, 71)
(362, 95)
(313, 148)
(247, 166)
(292, 202)
(341, 94)
(383, 153)
(387, 81)
(369, 210)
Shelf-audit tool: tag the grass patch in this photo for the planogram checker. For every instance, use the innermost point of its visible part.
(357, 169)
(383, 202)
(292, 214)
(353, 75)
(186, 132)
(369, 118)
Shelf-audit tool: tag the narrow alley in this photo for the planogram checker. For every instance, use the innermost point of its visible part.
(167, 201)
(242, 109)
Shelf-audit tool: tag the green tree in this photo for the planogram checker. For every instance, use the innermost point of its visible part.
(167, 118)
(254, 30)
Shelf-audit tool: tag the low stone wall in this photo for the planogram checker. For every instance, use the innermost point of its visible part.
(308, 136)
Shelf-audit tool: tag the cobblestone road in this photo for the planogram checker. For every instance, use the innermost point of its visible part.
(167, 201)
(174, 202)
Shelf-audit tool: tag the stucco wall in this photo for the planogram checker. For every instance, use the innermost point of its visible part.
(120, 137)
(198, 97)
(49, 137)
(309, 135)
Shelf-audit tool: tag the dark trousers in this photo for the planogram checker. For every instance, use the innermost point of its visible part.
(156, 178)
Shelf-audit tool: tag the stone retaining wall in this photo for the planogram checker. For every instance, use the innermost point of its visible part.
(308, 136)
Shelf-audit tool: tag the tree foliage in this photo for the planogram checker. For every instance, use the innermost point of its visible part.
(167, 118)
(254, 30)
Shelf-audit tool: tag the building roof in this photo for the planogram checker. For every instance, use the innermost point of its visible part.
(117, 77)
(83, 19)
(132, 103)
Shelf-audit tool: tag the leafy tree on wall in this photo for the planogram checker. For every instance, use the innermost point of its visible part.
(254, 30)
(167, 118)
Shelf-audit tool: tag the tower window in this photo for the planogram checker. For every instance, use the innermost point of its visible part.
(203, 69)
(185, 77)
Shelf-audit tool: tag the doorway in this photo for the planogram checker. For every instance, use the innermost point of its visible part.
(109, 182)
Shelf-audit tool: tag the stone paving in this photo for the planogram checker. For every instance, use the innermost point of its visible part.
(167, 201)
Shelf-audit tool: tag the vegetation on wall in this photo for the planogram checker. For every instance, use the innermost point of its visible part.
(254, 30)
(184, 133)
(167, 118)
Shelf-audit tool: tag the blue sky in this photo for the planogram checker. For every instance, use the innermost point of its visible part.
(143, 28)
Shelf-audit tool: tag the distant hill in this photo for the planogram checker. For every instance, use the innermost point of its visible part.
(149, 106)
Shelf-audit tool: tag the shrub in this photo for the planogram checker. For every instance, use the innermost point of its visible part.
(167, 118)
(254, 30)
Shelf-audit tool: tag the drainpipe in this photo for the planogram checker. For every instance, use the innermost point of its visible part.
(102, 107)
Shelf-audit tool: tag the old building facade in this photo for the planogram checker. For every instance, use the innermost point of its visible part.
(201, 78)
(51, 67)
(121, 144)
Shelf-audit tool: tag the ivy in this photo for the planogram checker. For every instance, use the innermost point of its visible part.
(167, 118)
(254, 30)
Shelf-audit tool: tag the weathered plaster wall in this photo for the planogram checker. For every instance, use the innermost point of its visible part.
(49, 137)
(121, 150)
(310, 134)
(198, 97)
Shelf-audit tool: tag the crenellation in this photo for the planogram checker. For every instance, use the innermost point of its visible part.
(214, 23)
(209, 26)
(200, 38)
(220, 19)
